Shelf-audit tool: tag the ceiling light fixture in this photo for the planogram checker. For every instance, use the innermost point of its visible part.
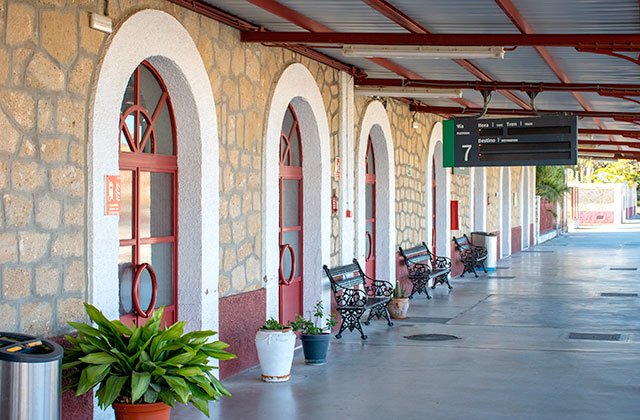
(408, 92)
(421, 51)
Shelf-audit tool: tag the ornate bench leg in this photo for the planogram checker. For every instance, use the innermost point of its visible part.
(359, 328)
(387, 315)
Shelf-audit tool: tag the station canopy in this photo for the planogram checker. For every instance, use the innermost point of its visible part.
(471, 57)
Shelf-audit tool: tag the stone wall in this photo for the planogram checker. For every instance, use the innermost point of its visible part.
(460, 191)
(516, 175)
(47, 58)
(493, 202)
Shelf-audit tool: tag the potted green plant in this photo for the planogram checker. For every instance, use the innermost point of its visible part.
(314, 338)
(143, 371)
(399, 304)
(275, 344)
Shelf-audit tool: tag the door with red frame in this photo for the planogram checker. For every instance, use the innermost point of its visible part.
(290, 287)
(147, 267)
(370, 216)
(434, 202)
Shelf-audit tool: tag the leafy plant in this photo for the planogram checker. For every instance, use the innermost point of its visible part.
(309, 327)
(144, 364)
(551, 183)
(399, 291)
(273, 325)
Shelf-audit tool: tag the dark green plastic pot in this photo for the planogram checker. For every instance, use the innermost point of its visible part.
(315, 348)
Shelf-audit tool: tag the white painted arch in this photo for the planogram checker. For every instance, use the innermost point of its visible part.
(159, 38)
(443, 188)
(505, 211)
(297, 86)
(525, 206)
(478, 184)
(376, 122)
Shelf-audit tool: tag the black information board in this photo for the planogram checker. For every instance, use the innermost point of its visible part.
(544, 140)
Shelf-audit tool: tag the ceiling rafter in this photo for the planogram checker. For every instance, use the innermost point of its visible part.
(405, 21)
(523, 26)
(318, 28)
(523, 112)
(609, 143)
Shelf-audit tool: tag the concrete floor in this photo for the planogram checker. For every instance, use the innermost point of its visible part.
(513, 360)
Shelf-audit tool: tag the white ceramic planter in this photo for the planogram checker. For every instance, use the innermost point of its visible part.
(275, 352)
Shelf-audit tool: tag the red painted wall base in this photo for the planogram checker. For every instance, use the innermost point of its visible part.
(240, 317)
(516, 239)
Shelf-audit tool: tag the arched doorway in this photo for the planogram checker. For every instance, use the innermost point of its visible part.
(438, 196)
(298, 91)
(290, 241)
(525, 206)
(375, 193)
(148, 170)
(370, 213)
(505, 212)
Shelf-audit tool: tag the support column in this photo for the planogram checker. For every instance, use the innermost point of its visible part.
(346, 193)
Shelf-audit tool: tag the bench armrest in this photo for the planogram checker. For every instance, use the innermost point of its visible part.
(442, 262)
(379, 288)
(347, 297)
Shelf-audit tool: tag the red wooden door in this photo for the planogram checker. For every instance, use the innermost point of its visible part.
(290, 238)
(433, 207)
(370, 230)
(147, 267)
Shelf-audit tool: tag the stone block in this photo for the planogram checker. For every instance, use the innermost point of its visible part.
(76, 153)
(71, 118)
(8, 247)
(28, 149)
(80, 76)
(10, 136)
(71, 309)
(238, 279)
(4, 174)
(245, 250)
(27, 176)
(54, 150)
(16, 282)
(253, 269)
(74, 277)
(44, 74)
(20, 106)
(90, 39)
(20, 23)
(234, 206)
(224, 285)
(8, 318)
(228, 259)
(74, 214)
(68, 180)
(47, 280)
(4, 65)
(68, 245)
(225, 233)
(239, 232)
(59, 35)
(18, 210)
(45, 115)
(33, 246)
(36, 318)
(48, 212)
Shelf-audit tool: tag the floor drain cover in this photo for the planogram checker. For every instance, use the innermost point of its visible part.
(623, 268)
(592, 336)
(502, 277)
(619, 294)
(431, 337)
(429, 319)
(502, 268)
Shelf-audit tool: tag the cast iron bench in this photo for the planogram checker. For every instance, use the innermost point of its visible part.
(355, 292)
(472, 256)
(423, 267)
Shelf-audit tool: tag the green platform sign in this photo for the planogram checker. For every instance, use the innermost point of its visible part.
(544, 140)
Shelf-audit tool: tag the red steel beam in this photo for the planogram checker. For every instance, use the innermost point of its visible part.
(619, 42)
(397, 16)
(609, 143)
(243, 25)
(494, 85)
(317, 28)
(521, 112)
(523, 26)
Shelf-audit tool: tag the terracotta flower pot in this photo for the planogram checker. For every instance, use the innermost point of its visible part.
(154, 411)
(398, 308)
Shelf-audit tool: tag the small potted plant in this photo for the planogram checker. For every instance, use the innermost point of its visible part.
(315, 338)
(275, 343)
(143, 371)
(399, 304)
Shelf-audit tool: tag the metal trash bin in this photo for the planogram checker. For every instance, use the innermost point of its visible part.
(30, 377)
(489, 241)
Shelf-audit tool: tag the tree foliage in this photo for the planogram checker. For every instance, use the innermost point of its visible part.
(622, 170)
(550, 182)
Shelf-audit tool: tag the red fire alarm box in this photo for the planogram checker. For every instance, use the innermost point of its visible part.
(334, 203)
(455, 224)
